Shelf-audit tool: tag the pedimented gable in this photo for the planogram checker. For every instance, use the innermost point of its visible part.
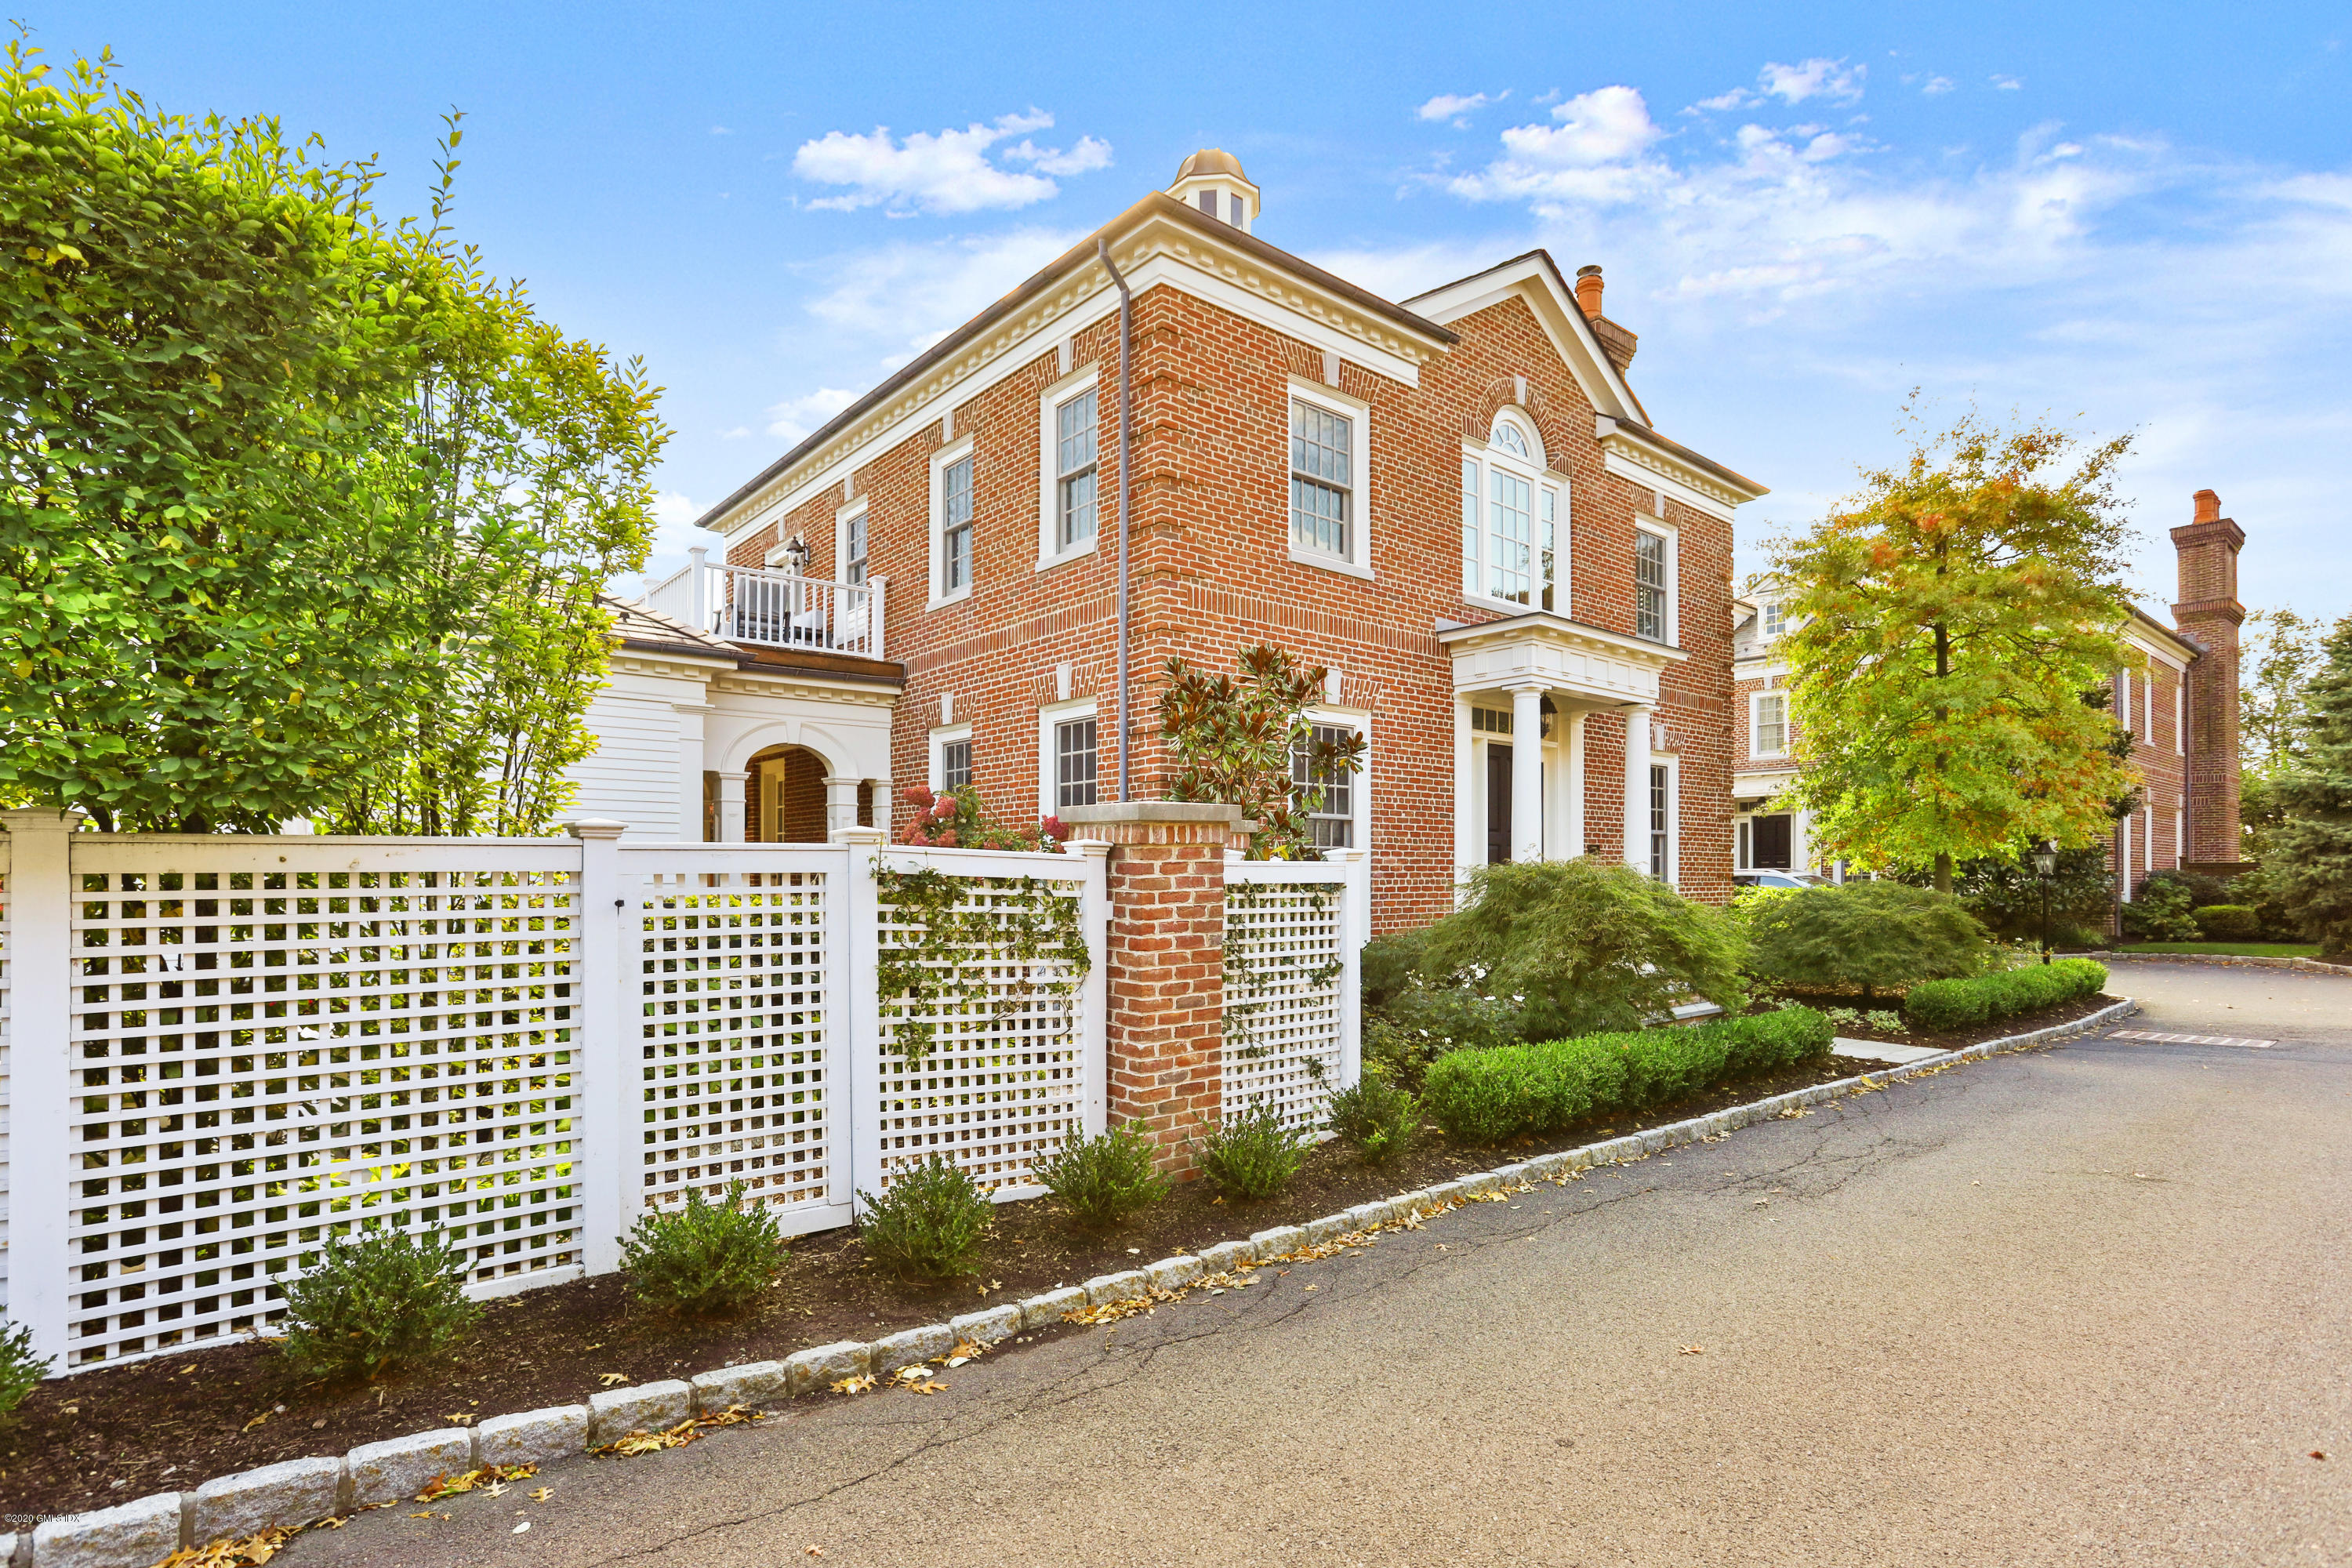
(1533, 280)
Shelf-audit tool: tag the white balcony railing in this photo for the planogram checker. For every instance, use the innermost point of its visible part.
(773, 609)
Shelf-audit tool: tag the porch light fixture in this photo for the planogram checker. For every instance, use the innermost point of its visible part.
(2045, 867)
(796, 555)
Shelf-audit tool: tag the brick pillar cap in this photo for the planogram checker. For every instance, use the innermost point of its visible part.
(1150, 811)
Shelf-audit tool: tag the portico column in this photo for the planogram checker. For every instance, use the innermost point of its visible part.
(841, 804)
(1527, 773)
(731, 806)
(1637, 787)
(1577, 838)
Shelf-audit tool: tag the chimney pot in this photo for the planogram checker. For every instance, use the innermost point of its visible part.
(2209, 507)
(1588, 290)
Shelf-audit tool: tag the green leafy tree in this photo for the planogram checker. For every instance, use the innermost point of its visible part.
(2282, 654)
(1957, 620)
(2310, 868)
(1866, 936)
(1247, 742)
(253, 566)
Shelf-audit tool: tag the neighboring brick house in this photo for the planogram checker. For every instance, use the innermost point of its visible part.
(2181, 709)
(1456, 504)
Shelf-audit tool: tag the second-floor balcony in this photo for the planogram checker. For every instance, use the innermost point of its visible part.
(768, 608)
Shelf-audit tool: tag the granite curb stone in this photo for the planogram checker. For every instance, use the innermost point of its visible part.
(532, 1436)
(1227, 1255)
(909, 1346)
(822, 1367)
(1169, 1273)
(990, 1326)
(1320, 1231)
(130, 1535)
(646, 1407)
(1273, 1244)
(400, 1467)
(1041, 1311)
(757, 1384)
(293, 1492)
(1124, 1286)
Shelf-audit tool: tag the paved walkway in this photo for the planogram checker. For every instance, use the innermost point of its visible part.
(2083, 1306)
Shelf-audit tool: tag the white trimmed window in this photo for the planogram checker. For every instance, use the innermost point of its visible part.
(1511, 511)
(1775, 616)
(1329, 442)
(1068, 749)
(952, 521)
(1653, 584)
(1069, 462)
(1337, 817)
(849, 542)
(950, 757)
(1664, 848)
(1768, 723)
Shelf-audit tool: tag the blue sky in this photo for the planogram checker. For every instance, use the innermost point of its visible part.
(2139, 216)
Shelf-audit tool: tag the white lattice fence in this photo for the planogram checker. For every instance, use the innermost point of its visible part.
(275, 1038)
(1289, 986)
(740, 1013)
(1003, 1062)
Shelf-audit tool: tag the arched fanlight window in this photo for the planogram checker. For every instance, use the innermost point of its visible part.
(1512, 508)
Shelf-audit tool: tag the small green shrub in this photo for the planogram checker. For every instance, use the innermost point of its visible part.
(1964, 1003)
(20, 1370)
(1400, 1052)
(1378, 1117)
(706, 1258)
(930, 1224)
(1252, 1153)
(1103, 1180)
(375, 1303)
(2160, 912)
(1485, 1097)
(1863, 936)
(2229, 922)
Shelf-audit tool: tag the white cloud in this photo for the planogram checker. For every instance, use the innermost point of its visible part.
(2006, 83)
(794, 417)
(673, 535)
(1594, 154)
(721, 131)
(945, 171)
(903, 297)
(1937, 85)
(1832, 79)
(736, 433)
(1737, 98)
(1455, 107)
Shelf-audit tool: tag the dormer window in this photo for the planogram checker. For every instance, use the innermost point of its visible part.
(1776, 617)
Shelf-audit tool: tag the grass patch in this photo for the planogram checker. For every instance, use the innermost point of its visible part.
(2228, 949)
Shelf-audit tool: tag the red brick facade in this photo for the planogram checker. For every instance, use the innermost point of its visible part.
(1213, 570)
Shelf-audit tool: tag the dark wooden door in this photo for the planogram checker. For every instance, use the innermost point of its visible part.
(1498, 804)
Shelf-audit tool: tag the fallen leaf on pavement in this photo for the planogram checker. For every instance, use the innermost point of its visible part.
(541, 1494)
(1693, 1350)
(440, 1487)
(853, 1384)
(519, 1528)
(249, 1553)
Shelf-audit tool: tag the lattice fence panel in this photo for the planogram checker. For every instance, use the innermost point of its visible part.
(738, 1069)
(1282, 994)
(260, 1057)
(1002, 1082)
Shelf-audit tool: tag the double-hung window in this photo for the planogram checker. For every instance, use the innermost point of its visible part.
(1322, 480)
(852, 549)
(1332, 813)
(955, 527)
(955, 763)
(1510, 522)
(1074, 463)
(1770, 717)
(1661, 860)
(1074, 762)
(1652, 581)
(1775, 616)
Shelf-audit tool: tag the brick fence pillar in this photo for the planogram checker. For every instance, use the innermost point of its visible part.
(1165, 970)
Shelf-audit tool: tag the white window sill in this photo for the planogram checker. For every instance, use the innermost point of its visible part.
(943, 600)
(1507, 606)
(1047, 562)
(1330, 563)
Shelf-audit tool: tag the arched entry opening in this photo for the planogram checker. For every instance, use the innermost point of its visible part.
(784, 797)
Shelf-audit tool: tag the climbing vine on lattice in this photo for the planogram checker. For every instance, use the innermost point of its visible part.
(956, 937)
(1252, 984)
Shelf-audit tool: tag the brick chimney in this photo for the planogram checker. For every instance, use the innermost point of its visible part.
(1615, 340)
(2209, 613)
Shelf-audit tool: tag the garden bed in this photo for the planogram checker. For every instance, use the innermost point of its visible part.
(1953, 1039)
(109, 1435)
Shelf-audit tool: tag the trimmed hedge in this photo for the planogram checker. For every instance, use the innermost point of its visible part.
(1486, 1095)
(2228, 922)
(1963, 1003)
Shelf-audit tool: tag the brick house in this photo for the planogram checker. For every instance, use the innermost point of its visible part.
(2182, 706)
(1456, 503)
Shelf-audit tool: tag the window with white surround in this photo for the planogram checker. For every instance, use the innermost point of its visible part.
(1661, 815)
(1070, 460)
(1653, 585)
(950, 757)
(1775, 618)
(1335, 817)
(952, 521)
(1068, 744)
(1768, 723)
(1328, 456)
(849, 542)
(1512, 508)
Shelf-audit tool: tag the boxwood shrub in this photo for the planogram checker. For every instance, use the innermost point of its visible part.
(1486, 1095)
(2229, 922)
(1964, 1003)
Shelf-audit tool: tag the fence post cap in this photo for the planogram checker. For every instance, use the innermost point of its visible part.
(1346, 857)
(872, 835)
(1110, 812)
(1091, 848)
(595, 827)
(44, 818)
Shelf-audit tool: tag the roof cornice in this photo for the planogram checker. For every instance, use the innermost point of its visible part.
(1545, 625)
(1645, 449)
(1158, 226)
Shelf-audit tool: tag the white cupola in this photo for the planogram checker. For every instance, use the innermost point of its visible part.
(1211, 181)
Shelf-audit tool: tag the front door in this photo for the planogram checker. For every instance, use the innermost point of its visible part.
(1498, 804)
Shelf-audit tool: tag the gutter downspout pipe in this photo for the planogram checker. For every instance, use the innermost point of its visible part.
(1125, 450)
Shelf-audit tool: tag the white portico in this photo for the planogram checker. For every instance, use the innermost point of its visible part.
(1524, 689)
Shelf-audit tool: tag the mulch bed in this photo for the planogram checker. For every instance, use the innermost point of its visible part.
(108, 1435)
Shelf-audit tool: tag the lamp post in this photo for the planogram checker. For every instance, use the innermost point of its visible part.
(2045, 867)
